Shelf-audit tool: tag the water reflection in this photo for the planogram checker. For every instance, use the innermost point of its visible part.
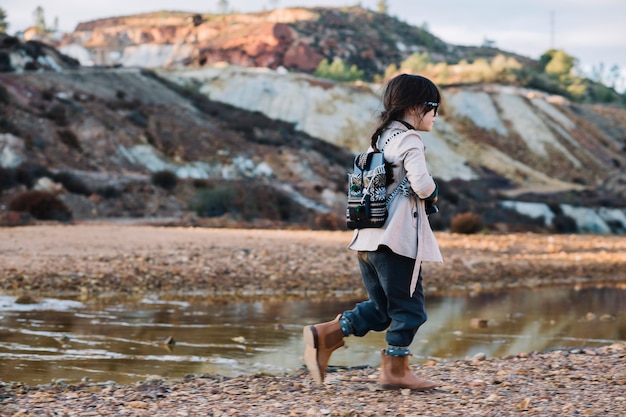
(124, 340)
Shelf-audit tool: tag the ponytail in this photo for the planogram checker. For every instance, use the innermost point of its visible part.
(386, 117)
(403, 92)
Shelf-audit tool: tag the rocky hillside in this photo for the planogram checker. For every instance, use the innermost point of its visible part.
(296, 39)
(534, 153)
(533, 140)
(32, 56)
(97, 138)
(258, 145)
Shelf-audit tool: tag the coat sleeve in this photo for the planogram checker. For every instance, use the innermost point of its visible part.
(412, 153)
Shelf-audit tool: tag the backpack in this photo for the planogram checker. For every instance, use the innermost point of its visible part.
(367, 190)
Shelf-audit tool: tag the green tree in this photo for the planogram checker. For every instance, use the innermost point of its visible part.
(274, 4)
(611, 77)
(338, 71)
(39, 19)
(504, 68)
(416, 62)
(222, 6)
(3, 20)
(382, 6)
(391, 70)
(557, 62)
(615, 76)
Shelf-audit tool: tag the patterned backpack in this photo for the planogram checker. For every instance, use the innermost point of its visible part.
(367, 190)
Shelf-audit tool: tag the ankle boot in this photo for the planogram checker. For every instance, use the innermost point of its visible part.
(396, 374)
(320, 341)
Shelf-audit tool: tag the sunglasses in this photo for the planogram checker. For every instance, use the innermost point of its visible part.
(431, 105)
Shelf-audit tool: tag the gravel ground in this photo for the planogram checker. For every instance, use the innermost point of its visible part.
(92, 259)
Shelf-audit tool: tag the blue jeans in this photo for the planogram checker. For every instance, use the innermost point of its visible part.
(387, 278)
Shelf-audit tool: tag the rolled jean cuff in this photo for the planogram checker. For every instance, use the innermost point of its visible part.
(346, 326)
(397, 351)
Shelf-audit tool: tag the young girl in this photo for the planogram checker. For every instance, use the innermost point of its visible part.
(390, 257)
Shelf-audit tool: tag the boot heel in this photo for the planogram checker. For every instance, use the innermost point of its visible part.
(310, 336)
(395, 373)
(320, 340)
(310, 353)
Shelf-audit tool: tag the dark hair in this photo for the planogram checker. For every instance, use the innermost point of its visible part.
(403, 92)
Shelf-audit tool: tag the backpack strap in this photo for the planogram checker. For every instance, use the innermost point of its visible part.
(404, 181)
(382, 148)
(397, 190)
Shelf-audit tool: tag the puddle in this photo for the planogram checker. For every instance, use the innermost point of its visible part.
(123, 340)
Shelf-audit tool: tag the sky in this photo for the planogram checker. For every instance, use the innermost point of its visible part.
(593, 31)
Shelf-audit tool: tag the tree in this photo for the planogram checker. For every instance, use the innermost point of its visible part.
(615, 77)
(383, 8)
(274, 4)
(338, 71)
(611, 77)
(3, 20)
(39, 18)
(416, 62)
(557, 62)
(222, 6)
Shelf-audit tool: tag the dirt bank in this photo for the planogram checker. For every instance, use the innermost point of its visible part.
(92, 259)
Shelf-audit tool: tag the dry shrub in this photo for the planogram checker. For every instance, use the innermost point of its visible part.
(69, 138)
(28, 174)
(564, 224)
(330, 221)
(7, 178)
(41, 205)
(58, 115)
(466, 223)
(165, 179)
(213, 202)
(246, 201)
(5, 97)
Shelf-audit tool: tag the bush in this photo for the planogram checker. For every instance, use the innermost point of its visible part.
(7, 178)
(58, 115)
(466, 223)
(330, 221)
(108, 192)
(213, 202)
(137, 118)
(338, 71)
(165, 179)
(564, 224)
(28, 174)
(41, 205)
(7, 126)
(5, 97)
(246, 201)
(69, 138)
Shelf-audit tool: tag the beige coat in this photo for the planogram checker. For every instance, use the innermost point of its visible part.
(407, 223)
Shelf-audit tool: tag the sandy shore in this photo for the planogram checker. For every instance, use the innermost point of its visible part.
(96, 259)
(88, 260)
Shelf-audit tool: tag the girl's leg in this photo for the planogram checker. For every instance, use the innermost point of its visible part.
(387, 278)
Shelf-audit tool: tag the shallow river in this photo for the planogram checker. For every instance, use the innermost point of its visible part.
(121, 340)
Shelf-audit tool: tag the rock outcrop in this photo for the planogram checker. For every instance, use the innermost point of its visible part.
(32, 55)
(296, 38)
(537, 142)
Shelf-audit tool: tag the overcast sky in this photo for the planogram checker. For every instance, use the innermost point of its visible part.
(594, 31)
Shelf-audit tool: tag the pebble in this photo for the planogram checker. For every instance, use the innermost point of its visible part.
(465, 390)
